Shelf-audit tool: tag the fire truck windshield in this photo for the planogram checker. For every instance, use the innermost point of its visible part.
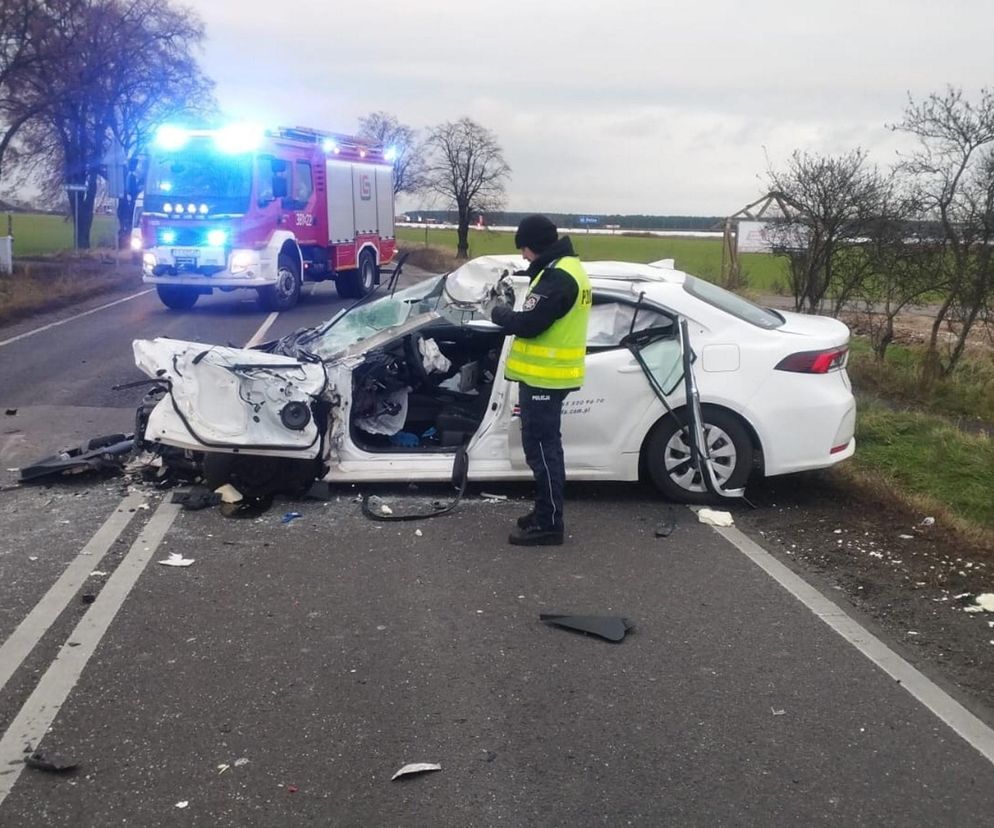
(199, 172)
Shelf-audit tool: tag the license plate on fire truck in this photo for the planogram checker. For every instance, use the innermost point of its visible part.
(185, 252)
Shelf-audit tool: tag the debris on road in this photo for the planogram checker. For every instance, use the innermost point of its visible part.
(249, 507)
(291, 516)
(177, 559)
(229, 494)
(183, 803)
(714, 517)
(983, 603)
(50, 762)
(610, 628)
(99, 454)
(196, 498)
(415, 768)
(493, 498)
(87, 597)
(668, 524)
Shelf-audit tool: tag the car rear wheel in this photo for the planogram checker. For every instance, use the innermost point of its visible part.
(285, 293)
(177, 297)
(670, 464)
(359, 282)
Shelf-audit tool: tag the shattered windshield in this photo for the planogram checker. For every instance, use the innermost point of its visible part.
(364, 321)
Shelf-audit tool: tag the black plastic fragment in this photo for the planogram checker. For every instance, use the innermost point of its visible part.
(608, 627)
(667, 525)
(198, 497)
(249, 507)
(51, 762)
(10, 412)
(108, 453)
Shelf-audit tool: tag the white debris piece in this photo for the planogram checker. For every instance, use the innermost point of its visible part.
(927, 521)
(240, 762)
(98, 574)
(714, 517)
(176, 559)
(229, 494)
(183, 803)
(418, 532)
(386, 509)
(906, 537)
(416, 767)
(492, 497)
(985, 603)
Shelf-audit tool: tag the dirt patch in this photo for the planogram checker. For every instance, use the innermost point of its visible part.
(913, 578)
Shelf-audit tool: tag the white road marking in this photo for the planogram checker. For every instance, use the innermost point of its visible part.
(72, 318)
(39, 711)
(29, 632)
(969, 728)
(265, 326)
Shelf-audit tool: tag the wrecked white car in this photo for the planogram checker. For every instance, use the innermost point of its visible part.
(687, 384)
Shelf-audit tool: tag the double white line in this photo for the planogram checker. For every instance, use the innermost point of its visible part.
(39, 711)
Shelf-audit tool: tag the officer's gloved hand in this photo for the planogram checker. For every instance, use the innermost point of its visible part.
(500, 295)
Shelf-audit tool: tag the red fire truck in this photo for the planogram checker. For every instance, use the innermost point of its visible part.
(264, 209)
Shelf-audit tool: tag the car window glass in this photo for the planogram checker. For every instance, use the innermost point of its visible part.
(664, 359)
(732, 303)
(610, 322)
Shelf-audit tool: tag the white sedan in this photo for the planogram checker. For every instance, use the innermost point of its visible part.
(686, 384)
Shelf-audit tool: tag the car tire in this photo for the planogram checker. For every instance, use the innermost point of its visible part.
(668, 456)
(359, 282)
(286, 292)
(258, 475)
(176, 297)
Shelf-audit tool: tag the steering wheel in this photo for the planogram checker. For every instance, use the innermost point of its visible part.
(415, 359)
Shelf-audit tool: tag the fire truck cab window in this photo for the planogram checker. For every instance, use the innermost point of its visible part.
(264, 178)
(303, 184)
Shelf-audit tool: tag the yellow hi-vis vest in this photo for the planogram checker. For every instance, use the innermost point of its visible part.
(554, 358)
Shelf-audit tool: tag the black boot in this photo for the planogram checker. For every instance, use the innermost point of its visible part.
(534, 536)
(526, 520)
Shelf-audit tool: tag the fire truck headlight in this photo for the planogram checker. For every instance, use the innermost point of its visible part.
(203, 209)
(217, 238)
(149, 261)
(136, 241)
(167, 207)
(167, 236)
(241, 261)
(171, 137)
(191, 208)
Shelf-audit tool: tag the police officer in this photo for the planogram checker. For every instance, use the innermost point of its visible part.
(547, 359)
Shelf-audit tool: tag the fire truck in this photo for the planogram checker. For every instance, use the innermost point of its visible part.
(264, 209)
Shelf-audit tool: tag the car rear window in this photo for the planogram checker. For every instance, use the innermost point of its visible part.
(732, 303)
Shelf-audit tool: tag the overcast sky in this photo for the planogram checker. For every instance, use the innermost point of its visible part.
(635, 106)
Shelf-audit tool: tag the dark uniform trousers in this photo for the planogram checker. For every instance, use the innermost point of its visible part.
(541, 438)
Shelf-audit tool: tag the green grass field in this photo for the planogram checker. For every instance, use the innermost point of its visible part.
(698, 256)
(39, 234)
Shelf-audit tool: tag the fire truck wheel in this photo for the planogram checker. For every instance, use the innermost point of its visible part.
(176, 297)
(357, 283)
(285, 293)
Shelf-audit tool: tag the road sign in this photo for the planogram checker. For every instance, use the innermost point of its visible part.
(588, 220)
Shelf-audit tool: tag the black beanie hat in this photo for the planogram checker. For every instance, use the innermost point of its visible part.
(536, 232)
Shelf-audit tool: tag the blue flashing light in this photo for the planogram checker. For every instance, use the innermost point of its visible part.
(166, 186)
(171, 137)
(330, 146)
(167, 236)
(217, 238)
(390, 154)
(238, 138)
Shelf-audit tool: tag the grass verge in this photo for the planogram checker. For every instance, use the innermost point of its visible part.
(59, 281)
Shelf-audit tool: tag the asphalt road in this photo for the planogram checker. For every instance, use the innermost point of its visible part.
(284, 676)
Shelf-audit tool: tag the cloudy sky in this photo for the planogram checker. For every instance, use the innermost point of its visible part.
(636, 106)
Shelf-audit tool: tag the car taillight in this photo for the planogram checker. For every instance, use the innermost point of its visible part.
(814, 362)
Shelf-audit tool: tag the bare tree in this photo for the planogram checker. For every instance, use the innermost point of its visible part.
(108, 70)
(408, 155)
(836, 201)
(953, 167)
(466, 166)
